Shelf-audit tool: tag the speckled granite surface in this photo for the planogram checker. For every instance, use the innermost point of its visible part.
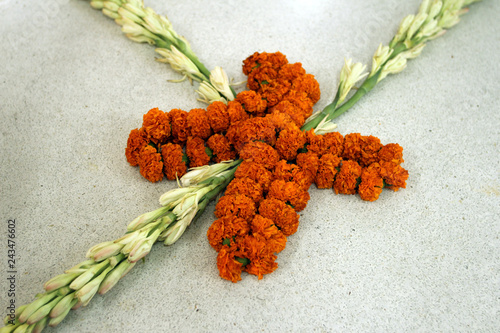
(423, 259)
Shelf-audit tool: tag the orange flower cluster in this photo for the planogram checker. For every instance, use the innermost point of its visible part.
(287, 88)
(280, 162)
(221, 131)
(259, 209)
(353, 164)
(184, 139)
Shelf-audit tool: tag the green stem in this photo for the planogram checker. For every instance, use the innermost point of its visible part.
(363, 90)
(324, 113)
(331, 111)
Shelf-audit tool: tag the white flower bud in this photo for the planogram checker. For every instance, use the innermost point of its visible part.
(111, 6)
(124, 13)
(380, 57)
(107, 252)
(156, 27)
(35, 305)
(115, 275)
(219, 80)
(180, 63)
(428, 30)
(134, 8)
(147, 218)
(190, 201)
(325, 127)
(424, 7)
(435, 9)
(209, 94)
(449, 19)
(80, 281)
(63, 305)
(176, 194)
(142, 248)
(393, 66)
(172, 234)
(413, 52)
(349, 76)
(131, 27)
(96, 4)
(60, 281)
(403, 28)
(199, 174)
(88, 291)
(43, 311)
(415, 25)
(111, 14)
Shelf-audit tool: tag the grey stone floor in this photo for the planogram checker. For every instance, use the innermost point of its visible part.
(426, 258)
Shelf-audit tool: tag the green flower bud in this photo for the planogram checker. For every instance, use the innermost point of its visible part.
(60, 281)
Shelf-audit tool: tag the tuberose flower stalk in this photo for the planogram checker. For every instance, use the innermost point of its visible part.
(432, 20)
(143, 25)
(110, 261)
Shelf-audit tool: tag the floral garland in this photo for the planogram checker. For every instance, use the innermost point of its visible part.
(280, 161)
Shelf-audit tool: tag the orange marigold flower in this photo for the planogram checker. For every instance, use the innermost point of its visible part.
(218, 116)
(302, 101)
(289, 142)
(199, 124)
(394, 175)
(281, 121)
(370, 146)
(137, 140)
(316, 143)
(333, 143)
(266, 230)
(352, 147)
(156, 125)
(236, 112)
(371, 183)
(309, 163)
(261, 153)
(261, 76)
(327, 169)
(274, 91)
(292, 173)
(256, 172)
(284, 216)
(252, 102)
(292, 110)
(308, 84)
(150, 164)
(174, 161)
(276, 60)
(291, 71)
(229, 268)
(226, 228)
(285, 171)
(391, 152)
(221, 148)
(253, 129)
(290, 193)
(236, 205)
(180, 130)
(262, 259)
(347, 178)
(246, 186)
(195, 150)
